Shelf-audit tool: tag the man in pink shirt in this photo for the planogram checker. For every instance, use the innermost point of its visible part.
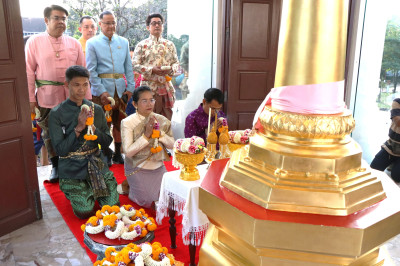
(48, 55)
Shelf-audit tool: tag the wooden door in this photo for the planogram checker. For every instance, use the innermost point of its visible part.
(19, 194)
(251, 46)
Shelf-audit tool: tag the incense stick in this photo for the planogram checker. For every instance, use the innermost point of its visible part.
(209, 120)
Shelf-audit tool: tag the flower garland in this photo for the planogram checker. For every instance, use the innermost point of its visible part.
(124, 222)
(224, 125)
(240, 136)
(139, 255)
(108, 108)
(35, 116)
(89, 122)
(191, 145)
(156, 135)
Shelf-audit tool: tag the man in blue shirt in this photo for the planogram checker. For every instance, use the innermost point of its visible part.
(108, 60)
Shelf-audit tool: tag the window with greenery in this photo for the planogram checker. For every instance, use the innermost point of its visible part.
(390, 69)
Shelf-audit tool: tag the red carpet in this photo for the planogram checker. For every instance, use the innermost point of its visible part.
(181, 253)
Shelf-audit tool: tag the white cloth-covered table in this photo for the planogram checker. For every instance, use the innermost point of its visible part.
(185, 198)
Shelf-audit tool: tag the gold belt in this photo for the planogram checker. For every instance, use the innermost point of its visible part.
(111, 76)
(77, 153)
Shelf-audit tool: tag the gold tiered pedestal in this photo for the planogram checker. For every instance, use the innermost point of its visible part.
(189, 171)
(244, 233)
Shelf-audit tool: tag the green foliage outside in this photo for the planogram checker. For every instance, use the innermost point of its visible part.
(179, 42)
(389, 75)
(130, 14)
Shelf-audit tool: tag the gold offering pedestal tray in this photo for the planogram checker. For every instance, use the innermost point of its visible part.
(189, 171)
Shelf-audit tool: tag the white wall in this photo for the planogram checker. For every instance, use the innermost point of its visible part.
(197, 18)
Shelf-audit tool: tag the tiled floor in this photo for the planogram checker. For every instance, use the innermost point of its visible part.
(45, 242)
(50, 242)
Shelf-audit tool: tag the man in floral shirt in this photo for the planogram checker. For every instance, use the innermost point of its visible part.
(156, 59)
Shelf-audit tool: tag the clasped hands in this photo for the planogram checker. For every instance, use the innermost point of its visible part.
(149, 127)
(104, 97)
(83, 115)
(157, 70)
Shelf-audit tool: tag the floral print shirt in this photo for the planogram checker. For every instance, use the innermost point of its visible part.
(156, 52)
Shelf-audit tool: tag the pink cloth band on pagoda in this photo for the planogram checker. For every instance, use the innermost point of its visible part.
(324, 98)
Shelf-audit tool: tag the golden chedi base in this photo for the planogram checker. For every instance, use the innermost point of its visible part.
(189, 171)
(294, 167)
(244, 233)
(301, 184)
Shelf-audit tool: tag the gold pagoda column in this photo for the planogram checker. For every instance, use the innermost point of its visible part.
(300, 193)
(312, 42)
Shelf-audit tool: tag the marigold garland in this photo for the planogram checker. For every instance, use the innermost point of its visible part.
(143, 254)
(89, 122)
(108, 108)
(156, 135)
(124, 222)
(224, 125)
(110, 220)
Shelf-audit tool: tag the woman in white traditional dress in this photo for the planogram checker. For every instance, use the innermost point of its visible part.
(144, 167)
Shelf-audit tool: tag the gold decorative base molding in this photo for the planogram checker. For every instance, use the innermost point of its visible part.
(301, 126)
(220, 248)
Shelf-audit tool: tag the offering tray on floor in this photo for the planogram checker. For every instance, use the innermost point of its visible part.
(98, 243)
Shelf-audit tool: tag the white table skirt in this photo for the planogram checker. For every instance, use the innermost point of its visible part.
(185, 197)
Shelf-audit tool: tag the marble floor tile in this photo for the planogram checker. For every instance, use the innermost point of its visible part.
(45, 242)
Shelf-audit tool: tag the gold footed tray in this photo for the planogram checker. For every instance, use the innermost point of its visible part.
(189, 171)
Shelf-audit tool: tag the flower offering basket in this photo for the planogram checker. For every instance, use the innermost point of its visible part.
(189, 171)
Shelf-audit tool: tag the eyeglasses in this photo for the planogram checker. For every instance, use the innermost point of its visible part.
(89, 27)
(109, 23)
(154, 23)
(144, 101)
(57, 18)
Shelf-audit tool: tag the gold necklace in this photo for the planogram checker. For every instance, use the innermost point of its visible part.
(54, 50)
